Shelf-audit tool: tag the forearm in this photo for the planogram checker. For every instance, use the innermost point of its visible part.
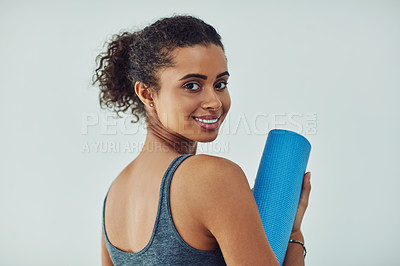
(295, 252)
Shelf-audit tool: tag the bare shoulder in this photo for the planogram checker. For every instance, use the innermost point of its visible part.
(207, 179)
(211, 179)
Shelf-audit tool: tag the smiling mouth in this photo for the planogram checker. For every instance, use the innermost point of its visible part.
(209, 123)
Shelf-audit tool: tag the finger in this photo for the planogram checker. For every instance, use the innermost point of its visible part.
(306, 181)
(303, 202)
(305, 191)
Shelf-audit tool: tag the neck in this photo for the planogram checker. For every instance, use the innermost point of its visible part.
(159, 139)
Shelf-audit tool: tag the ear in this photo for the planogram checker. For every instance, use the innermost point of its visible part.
(144, 94)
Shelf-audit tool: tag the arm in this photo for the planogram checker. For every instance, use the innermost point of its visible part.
(295, 252)
(221, 199)
(105, 257)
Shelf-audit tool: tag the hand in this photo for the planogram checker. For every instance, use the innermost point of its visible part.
(303, 203)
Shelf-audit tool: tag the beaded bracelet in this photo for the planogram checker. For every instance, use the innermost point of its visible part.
(301, 243)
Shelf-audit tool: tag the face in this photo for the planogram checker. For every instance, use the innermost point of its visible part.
(193, 99)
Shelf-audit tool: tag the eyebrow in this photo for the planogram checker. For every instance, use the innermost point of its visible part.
(203, 76)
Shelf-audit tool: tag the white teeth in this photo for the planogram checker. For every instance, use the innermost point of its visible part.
(206, 121)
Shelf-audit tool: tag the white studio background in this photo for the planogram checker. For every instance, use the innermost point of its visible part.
(329, 70)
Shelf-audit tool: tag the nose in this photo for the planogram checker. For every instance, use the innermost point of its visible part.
(211, 99)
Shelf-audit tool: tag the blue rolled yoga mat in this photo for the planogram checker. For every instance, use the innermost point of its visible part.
(278, 185)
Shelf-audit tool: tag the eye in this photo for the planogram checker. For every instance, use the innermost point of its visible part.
(221, 85)
(191, 86)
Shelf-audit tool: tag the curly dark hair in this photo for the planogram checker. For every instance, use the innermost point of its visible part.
(140, 55)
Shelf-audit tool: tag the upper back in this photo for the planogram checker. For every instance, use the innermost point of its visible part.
(139, 227)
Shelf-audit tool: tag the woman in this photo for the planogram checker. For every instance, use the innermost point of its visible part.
(174, 74)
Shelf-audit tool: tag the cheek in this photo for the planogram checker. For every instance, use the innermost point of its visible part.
(175, 111)
(226, 102)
